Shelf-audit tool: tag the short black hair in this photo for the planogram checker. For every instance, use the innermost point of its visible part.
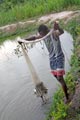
(43, 28)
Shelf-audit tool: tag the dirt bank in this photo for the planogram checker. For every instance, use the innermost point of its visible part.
(47, 18)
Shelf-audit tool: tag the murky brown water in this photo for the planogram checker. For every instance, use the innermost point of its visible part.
(17, 101)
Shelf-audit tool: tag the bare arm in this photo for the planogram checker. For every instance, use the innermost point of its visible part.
(33, 38)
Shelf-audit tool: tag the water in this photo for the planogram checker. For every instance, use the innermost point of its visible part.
(17, 100)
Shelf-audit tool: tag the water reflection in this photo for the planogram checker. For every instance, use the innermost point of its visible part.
(7, 50)
(17, 101)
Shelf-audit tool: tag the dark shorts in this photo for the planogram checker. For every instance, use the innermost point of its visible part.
(57, 65)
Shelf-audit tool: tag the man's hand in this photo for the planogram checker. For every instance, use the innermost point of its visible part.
(56, 25)
(20, 40)
(57, 29)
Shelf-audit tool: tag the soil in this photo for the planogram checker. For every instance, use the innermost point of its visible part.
(74, 110)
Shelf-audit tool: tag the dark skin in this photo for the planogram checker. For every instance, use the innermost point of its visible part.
(42, 34)
(63, 84)
(56, 33)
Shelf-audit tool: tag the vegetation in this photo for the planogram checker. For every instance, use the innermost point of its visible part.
(16, 10)
(60, 111)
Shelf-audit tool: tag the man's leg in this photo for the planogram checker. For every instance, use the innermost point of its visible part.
(63, 84)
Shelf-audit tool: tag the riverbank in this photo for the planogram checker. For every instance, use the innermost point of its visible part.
(26, 28)
(59, 110)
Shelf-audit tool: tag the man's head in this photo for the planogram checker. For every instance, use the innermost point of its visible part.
(43, 30)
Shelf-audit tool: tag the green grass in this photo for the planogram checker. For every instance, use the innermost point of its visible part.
(34, 8)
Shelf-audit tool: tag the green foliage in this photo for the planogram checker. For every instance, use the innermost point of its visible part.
(78, 30)
(71, 2)
(8, 4)
(75, 62)
(61, 111)
(70, 81)
(73, 26)
(58, 109)
(16, 10)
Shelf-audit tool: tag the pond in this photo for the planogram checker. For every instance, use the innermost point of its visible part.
(17, 100)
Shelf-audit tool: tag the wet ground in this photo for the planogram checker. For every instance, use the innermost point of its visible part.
(17, 100)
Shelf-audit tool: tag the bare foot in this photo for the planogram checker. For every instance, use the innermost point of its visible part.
(67, 101)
